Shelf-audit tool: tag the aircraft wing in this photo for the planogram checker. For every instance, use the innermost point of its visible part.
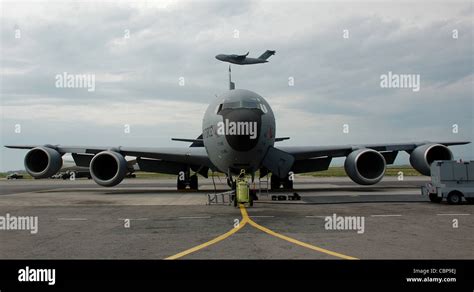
(172, 157)
(308, 152)
(316, 158)
(241, 57)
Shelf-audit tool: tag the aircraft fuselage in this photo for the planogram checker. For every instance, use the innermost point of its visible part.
(238, 128)
(236, 59)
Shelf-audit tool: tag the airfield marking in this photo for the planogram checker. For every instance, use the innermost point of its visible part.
(453, 214)
(30, 192)
(195, 217)
(386, 215)
(292, 240)
(242, 223)
(246, 219)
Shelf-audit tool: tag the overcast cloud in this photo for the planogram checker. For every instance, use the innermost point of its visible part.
(336, 80)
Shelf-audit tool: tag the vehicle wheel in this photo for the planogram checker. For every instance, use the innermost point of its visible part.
(434, 198)
(251, 201)
(470, 200)
(193, 183)
(454, 198)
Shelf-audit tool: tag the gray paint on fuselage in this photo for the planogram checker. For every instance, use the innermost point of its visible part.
(234, 59)
(220, 152)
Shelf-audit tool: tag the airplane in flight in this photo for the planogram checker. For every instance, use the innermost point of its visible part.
(238, 133)
(244, 60)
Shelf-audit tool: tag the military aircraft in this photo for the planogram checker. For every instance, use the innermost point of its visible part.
(244, 60)
(238, 133)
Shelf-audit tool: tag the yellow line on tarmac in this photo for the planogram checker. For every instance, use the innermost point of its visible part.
(242, 223)
(292, 240)
(246, 219)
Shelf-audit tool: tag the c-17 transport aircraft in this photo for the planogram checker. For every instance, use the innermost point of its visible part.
(238, 133)
(244, 60)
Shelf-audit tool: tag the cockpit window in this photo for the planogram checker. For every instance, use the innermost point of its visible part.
(249, 104)
(241, 104)
(235, 104)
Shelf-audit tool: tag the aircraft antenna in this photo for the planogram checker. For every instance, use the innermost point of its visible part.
(231, 84)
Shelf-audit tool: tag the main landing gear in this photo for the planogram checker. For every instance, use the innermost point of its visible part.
(185, 179)
(277, 183)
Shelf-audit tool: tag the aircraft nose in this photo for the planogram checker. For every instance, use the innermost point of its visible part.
(246, 124)
(219, 57)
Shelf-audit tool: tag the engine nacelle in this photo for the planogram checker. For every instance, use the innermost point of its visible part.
(43, 162)
(365, 166)
(422, 157)
(108, 168)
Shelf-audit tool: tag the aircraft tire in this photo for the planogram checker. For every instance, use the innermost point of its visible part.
(193, 183)
(181, 185)
(288, 184)
(275, 182)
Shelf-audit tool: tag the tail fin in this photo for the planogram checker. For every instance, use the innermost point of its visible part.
(267, 54)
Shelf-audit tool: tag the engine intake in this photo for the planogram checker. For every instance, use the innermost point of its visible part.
(365, 166)
(422, 157)
(108, 168)
(43, 162)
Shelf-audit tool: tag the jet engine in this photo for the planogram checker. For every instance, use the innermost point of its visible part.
(108, 168)
(422, 157)
(365, 166)
(43, 162)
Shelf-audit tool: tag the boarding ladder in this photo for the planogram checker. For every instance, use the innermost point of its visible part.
(222, 198)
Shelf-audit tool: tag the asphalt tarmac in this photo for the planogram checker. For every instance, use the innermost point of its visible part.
(149, 219)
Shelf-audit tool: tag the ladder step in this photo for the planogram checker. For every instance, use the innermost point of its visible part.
(219, 198)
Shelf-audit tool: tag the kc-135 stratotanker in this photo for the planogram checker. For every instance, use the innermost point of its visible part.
(238, 136)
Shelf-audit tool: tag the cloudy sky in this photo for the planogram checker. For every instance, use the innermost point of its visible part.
(140, 51)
